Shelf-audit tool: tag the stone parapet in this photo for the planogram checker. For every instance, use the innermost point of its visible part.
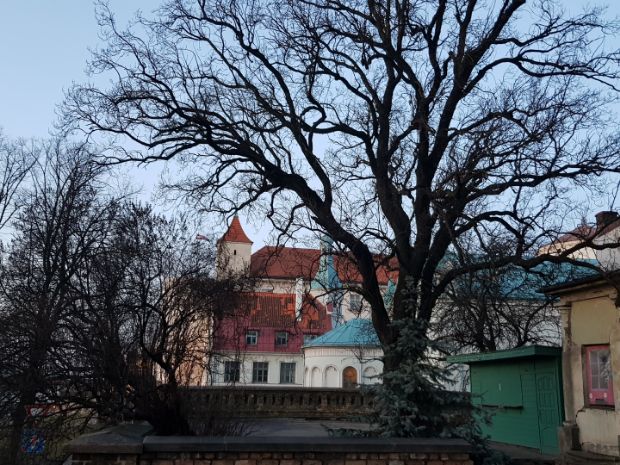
(275, 402)
(184, 450)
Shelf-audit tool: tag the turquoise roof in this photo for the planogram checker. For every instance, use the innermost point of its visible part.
(358, 332)
(519, 284)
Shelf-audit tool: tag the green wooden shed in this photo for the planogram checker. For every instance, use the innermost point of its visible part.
(521, 389)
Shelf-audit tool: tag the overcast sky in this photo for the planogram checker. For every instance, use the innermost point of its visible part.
(43, 49)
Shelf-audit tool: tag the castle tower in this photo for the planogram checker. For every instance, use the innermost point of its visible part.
(326, 280)
(234, 249)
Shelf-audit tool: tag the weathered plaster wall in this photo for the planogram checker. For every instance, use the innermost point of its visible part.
(590, 318)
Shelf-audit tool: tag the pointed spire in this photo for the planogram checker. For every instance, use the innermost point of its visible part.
(235, 233)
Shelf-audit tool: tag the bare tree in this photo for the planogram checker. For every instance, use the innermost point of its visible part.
(496, 309)
(404, 128)
(61, 221)
(16, 160)
(148, 304)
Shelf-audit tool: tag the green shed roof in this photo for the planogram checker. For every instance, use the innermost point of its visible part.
(520, 352)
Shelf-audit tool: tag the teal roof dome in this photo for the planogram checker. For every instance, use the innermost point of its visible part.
(358, 332)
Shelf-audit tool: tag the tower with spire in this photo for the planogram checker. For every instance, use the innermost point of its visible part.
(234, 250)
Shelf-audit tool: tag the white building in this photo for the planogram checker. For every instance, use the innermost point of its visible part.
(346, 356)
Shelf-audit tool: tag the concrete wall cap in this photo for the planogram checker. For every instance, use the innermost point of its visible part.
(120, 439)
(294, 444)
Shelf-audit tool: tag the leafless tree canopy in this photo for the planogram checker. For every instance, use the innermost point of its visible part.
(106, 307)
(16, 160)
(496, 309)
(401, 127)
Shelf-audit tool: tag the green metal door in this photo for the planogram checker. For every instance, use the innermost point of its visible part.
(548, 411)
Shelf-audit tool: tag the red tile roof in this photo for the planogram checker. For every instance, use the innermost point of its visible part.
(270, 313)
(581, 232)
(291, 263)
(269, 310)
(585, 231)
(236, 233)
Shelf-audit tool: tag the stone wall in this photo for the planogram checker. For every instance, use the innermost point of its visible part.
(273, 402)
(111, 448)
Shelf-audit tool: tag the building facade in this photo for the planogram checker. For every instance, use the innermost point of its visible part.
(590, 363)
(299, 295)
(345, 357)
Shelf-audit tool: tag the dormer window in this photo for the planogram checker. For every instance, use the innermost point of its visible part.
(281, 338)
(251, 337)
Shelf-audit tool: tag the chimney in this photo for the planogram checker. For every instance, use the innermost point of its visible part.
(605, 218)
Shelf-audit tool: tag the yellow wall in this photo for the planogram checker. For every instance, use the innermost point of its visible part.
(592, 319)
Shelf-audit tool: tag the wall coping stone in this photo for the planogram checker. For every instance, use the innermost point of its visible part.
(241, 388)
(120, 439)
(295, 444)
(134, 438)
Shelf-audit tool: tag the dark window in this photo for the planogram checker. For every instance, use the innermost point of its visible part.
(287, 373)
(356, 303)
(251, 338)
(260, 372)
(309, 337)
(598, 375)
(231, 372)
(281, 338)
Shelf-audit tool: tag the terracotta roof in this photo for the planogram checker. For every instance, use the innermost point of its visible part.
(291, 263)
(269, 310)
(586, 231)
(236, 233)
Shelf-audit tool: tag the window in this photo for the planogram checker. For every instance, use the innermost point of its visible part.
(309, 337)
(231, 372)
(356, 303)
(281, 338)
(251, 338)
(598, 375)
(287, 373)
(260, 372)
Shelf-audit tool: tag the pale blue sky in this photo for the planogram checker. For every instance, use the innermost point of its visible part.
(43, 49)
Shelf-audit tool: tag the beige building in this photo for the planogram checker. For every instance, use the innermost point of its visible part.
(590, 314)
(600, 241)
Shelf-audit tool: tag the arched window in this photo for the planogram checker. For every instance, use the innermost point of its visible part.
(370, 376)
(315, 379)
(331, 377)
(349, 378)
